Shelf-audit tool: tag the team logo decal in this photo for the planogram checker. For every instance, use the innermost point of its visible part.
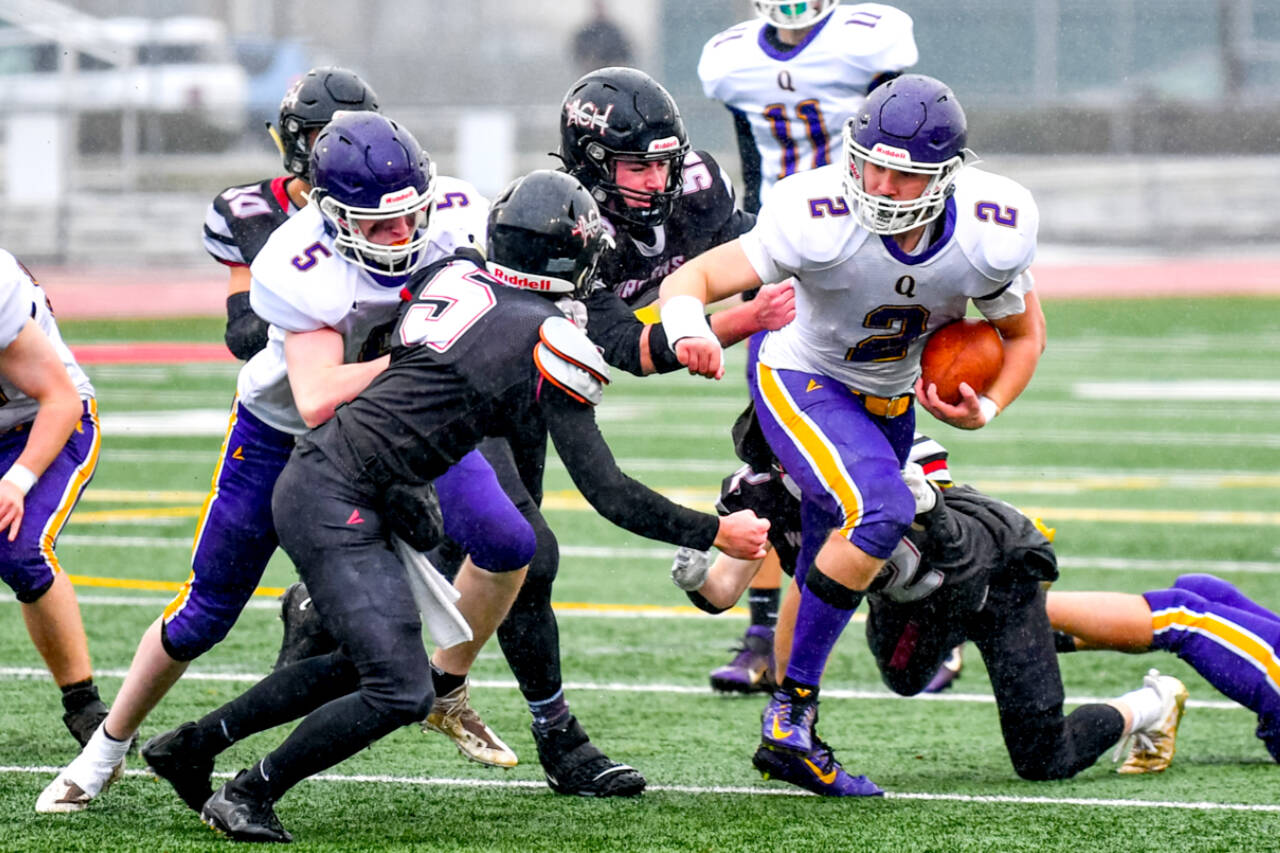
(586, 114)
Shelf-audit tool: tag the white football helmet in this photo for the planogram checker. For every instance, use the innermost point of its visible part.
(786, 15)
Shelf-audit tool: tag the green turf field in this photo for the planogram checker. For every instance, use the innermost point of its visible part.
(1148, 439)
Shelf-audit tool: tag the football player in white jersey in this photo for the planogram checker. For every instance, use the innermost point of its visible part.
(240, 219)
(792, 76)
(329, 281)
(885, 247)
(49, 441)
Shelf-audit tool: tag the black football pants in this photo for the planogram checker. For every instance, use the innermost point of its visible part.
(1011, 630)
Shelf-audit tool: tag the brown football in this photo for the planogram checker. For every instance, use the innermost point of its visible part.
(967, 350)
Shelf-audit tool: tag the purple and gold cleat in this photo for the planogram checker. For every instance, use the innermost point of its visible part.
(787, 722)
(751, 670)
(817, 771)
(947, 673)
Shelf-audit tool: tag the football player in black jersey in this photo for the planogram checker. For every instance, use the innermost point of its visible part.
(470, 358)
(241, 218)
(970, 568)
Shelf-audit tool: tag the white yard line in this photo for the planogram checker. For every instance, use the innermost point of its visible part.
(734, 790)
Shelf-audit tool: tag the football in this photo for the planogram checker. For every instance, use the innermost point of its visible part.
(966, 350)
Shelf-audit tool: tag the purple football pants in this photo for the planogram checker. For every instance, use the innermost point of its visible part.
(1227, 638)
(28, 564)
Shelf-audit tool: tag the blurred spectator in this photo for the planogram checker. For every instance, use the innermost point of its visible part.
(600, 42)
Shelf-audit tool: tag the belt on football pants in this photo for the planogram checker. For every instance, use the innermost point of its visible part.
(885, 407)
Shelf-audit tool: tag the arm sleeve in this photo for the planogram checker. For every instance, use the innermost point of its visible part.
(613, 326)
(623, 501)
(246, 332)
(750, 155)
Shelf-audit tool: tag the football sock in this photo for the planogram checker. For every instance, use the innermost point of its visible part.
(92, 767)
(1064, 643)
(763, 604)
(445, 683)
(332, 733)
(549, 713)
(281, 697)
(1146, 705)
(802, 691)
(818, 626)
(78, 695)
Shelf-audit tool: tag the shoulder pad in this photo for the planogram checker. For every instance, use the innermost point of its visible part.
(568, 359)
(996, 223)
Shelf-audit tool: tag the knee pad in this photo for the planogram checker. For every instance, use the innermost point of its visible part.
(546, 559)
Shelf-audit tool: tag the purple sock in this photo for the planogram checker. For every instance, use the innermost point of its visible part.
(818, 626)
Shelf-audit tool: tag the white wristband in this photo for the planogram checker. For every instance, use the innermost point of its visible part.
(20, 476)
(989, 408)
(683, 317)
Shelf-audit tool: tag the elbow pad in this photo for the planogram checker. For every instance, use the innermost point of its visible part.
(246, 332)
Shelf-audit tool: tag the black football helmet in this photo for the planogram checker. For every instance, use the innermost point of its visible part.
(546, 235)
(309, 104)
(622, 113)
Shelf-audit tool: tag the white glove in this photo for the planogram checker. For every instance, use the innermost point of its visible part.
(922, 490)
(689, 569)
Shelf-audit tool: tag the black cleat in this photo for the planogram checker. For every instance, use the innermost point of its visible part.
(171, 757)
(242, 817)
(574, 766)
(304, 635)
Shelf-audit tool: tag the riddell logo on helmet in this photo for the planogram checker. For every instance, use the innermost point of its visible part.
(588, 115)
(667, 144)
(888, 152)
(406, 194)
(514, 279)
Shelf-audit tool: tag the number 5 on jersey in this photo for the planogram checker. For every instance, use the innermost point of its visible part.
(445, 309)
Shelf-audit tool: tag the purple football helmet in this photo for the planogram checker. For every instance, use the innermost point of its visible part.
(911, 123)
(366, 168)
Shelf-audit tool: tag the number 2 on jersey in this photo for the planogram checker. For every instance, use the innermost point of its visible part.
(815, 129)
(904, 323)
(445, 309)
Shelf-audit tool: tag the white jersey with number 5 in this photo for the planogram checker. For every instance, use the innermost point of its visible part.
(864, 308)
(797, 101)
(301, 283)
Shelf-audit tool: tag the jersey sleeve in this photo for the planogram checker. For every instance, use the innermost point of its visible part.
(717, 60)
(885, 38)
(240, 220)
(997, 226)
(16, 291)
(298, 281)
(459, 217)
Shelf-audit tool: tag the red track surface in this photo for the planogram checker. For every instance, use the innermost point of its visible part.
(188, 293)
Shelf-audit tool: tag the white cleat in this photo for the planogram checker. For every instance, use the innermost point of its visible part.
(62, 795)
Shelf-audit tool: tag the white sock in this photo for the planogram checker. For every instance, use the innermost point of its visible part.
(92, 767)
(1146, 705)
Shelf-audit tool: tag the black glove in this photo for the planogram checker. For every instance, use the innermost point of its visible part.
(412, 512)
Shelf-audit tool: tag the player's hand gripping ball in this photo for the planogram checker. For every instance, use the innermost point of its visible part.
(966, 350)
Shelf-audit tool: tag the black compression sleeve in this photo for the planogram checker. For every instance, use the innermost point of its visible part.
(750, 155)
(621, 500)
(614, 327)
(660, 351)
(246, 331)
